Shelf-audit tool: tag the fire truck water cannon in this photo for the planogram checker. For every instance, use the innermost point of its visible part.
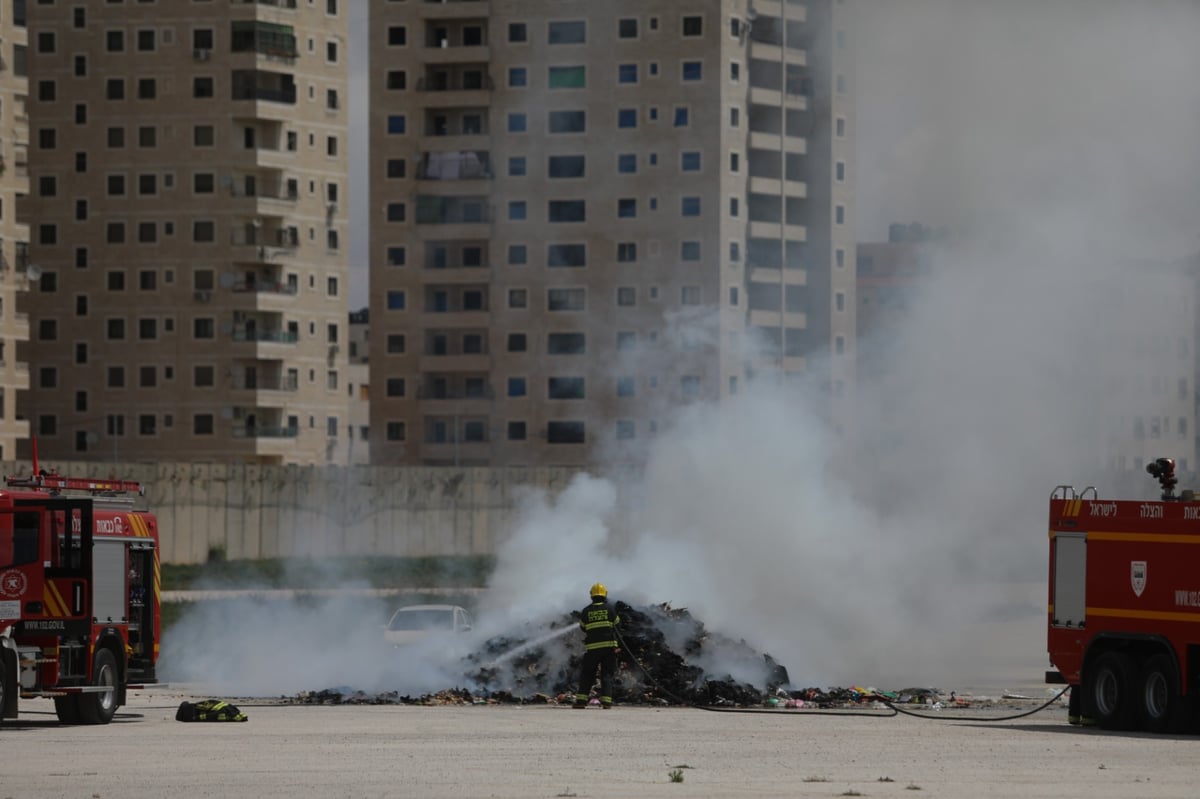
(1163, 470)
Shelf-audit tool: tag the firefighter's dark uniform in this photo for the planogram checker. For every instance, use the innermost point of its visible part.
(599, 622)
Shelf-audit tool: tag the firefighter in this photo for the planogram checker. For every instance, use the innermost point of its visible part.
(599, 624)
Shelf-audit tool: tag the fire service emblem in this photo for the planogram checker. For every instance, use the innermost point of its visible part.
(1137, 575)
(13, 583)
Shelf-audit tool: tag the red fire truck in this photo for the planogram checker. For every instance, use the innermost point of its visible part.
(79, 594)
(1124, 610)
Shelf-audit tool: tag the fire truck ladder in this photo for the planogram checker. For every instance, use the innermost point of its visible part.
(52, 482)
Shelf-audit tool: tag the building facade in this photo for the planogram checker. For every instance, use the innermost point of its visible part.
(188, 219)
(585, 214)
(14, 234)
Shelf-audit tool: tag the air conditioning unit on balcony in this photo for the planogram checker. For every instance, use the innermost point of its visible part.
(202, 296)
(202, 53)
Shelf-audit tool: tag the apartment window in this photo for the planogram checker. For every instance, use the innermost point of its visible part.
(689, 251)
(626, 252)
(114, 41)
(396, 124)
(689, 295)
(516, 342)
(397, 36)
(567, 211)
(518, 77)
(147, 376)
(46, 91)
(839, 127)
(203, 136)
(204, 328)
(47, 329)
(203, 88)
(565, 388)
(692, 70)
(517, 211)
(516, 387)
(395, 386)
(147, 424)
(735, 72)
(147, 88)
(572, 77)
(566, 166)
(516, 166)
(518, 298)
(573, 32)
(396, 300)
(627, 73)
(626, 296)
(202, 424)
(115, 233)
(81, 353)
(115, 329)
(395, 344)
(689, 385)
(690, 206)
(839, 214)
(626, 163)
(735, 251)
(626, 387)
(840, 301)
(47, 233)
(627, 118)
(517, 123)
(518, 255)
(397, 80)
(627, 28)
(517, 32)
(626, 207)
(690, 161)
(681, 117)
(516, 431)
(397, 168)
(148, 184)
(566, 344)
(147, 232)
(568, 121)
(565, 299)
(566, 432)
(116, 377)
(839, 257)
(840, 171)
(396, 212)
(395, 431)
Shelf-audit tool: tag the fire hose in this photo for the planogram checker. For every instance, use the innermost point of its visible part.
(892, 706)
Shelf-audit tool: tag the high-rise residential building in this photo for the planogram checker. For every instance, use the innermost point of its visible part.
(188, 222)
(14, 235)
(586, 214)
(358, 381)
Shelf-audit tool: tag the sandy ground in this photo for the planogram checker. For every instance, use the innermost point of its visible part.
(544, 751)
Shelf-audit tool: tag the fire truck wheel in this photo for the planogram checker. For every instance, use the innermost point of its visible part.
(100, 707)
(8, 687)
(1159, 703)
(1109, 691)
(67, 708)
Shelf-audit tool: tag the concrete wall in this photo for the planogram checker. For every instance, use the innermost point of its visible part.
(252, 511)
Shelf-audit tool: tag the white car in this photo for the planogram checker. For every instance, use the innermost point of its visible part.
(417, 622)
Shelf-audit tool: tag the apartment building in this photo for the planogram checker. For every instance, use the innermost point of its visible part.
(188, 221)
(358, 383)
(14, 235)
(585, 215)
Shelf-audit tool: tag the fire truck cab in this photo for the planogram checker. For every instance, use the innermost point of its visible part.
(1124, 607)
(79, 594)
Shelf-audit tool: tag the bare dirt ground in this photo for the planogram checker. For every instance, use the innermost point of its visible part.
(550, 751)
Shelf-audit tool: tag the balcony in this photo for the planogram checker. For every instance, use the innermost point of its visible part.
(265, 336)
(289, 4)
(261, 85)
(452, 9)
(452, 210)
(248, 381)
(461, 165)
(257, 431)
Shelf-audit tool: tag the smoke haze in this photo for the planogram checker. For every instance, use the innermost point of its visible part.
(1057, 139)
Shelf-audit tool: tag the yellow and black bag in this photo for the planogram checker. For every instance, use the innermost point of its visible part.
(209, 710)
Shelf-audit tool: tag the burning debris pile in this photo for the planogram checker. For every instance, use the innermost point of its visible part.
(667, 657)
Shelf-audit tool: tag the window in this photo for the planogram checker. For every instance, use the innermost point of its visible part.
(114, 41)
(204, 328)
(693, 26)
(47, 138)
(627, 73)
(397, 80)
(571, 432)
(517, 123)
(516, 342)
(573, 77)
(516, 431)
(681, 117)
(567, 211)
(115, 329)
(397, 36)
(116, 377)
(839, 127)
(626, 252)
(689, 385)
(690, 206)
(566, 166)
(565, 300)
(735, 72)
(692, 70)
(840, 84)
(396, 124)
(517, 211)
(626, 163)
(568, 121)
(396, 212)
(395, 431)
(690, 161)
(626, 296)
(839, 171)
(397, 168)
(516, 166)
(574, 32)
(689, 251)
(689, 295)
(48, 329)
(625, 429)
(147, 424)
(517, 32)
(626, 207)
(839, 214)
(569, 255)
(627, 118)
(395, 344)
(395, 387)
(203, 136)
(202, 424)
(395, 300)
(566, 344)
(518, 298)
(147, 88)
(204, 231)
(203, 88)
(516, 387)
(627, 28)
(626, 386)
(518, 255)
(840, 301)
(565, 388)
(518, 77)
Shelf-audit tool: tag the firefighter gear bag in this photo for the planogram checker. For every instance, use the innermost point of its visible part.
(209, 710)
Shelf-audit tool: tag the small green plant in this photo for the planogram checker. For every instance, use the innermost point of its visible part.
(886, 779)
(851, 792)
(676, 775)
(815, 778)
(912, 786)
(566, 793)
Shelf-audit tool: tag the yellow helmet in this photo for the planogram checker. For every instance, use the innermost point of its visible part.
(599, 590)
